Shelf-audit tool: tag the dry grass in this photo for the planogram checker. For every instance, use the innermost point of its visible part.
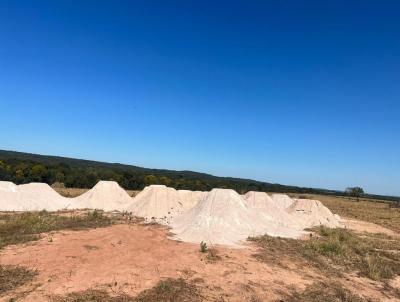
(24, 227)
(169, 290)
(335, 251)
(379, 212)
(93, 295)
(12, 277)
(325, 291)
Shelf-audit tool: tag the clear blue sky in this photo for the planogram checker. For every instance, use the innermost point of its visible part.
(296, 92)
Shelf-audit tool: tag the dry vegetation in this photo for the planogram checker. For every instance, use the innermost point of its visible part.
(327, 292)
(12, 277)
(169, 290)
(19, 228)
(335, 251)
(335, 254)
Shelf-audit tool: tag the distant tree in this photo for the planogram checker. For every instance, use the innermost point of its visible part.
(150, 180)
(164, 180)
(38, 173)
(356, 192)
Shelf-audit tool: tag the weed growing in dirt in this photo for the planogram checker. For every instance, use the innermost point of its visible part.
(213, 255)
(338, 250)
(203, 247)
(24, 227)
(12, 277)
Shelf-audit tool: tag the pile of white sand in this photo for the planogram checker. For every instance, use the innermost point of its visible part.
(30, 197)
(105, 195)
(190, 198)
(223, 217)
(157, 203)
(312, 213)
(271, 209)
(282, 200)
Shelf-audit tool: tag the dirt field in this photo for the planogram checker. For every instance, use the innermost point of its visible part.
(129, 261)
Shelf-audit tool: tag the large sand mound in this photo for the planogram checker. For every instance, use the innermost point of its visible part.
(30, 197)
(270, 209)
(312, 213)
(105, 195)
(282, 200)
(190, 198)
(157, 202)
(223, 217)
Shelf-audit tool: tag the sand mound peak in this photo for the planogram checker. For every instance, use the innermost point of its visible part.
(8, 186)
(105, 195)
(282, 200)
(190, 198)
(312, 213)
(221, 217)
(270, 209)
(31, 197)
(157, 202)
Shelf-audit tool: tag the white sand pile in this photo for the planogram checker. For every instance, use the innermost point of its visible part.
(158, 203)
(8, 186)
(105, 195)
(270, 209)
(31, 197)
(190, 198)
(222, 217)
(282, 200)
(312, 213)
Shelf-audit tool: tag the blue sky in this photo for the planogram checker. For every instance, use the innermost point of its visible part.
(295, 92)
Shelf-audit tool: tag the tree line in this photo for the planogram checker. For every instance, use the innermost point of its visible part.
(26, 171)
(21, 168)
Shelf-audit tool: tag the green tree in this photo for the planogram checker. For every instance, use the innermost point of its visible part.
(356, 192)
(38, 173)
(150, 180)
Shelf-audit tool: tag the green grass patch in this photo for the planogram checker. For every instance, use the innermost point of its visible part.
(23, 227)
(337, 251)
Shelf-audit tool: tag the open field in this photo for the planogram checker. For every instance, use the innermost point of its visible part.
(86, 255)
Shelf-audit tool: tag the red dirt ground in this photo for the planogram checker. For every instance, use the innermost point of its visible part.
(131, 258)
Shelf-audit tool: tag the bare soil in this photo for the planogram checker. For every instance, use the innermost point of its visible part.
(129, 259)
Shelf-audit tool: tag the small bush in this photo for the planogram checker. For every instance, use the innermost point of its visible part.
(203, 247)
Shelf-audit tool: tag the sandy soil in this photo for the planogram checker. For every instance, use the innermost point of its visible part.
(131, 258)
(363, 226)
